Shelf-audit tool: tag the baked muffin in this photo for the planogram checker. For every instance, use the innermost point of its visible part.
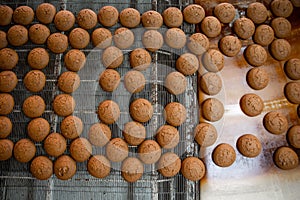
(87, 19)
(108, 16)
(6, 14)
(6, 103)
(167, 136)
(68, 82)
(74, 60)
(109, 80)
(38, 129)
(193, 14)
(130, 17)
(176, 83)
(198, 43)
(5, 127)
(211, 26)
(41, 168)
(34, 81)
(134, 81)
(256, 55)
(175, 38)
(192, 168)
(225, 12)
(38, 58)
(282, 27)
(57, 42)
(169, 164)
(101, 38)
(64, 167)
(149, 152)
(293, 136)
(123, 38)
(17, 35)
(175, 114)
(251, 104)
(23, 15)
(98, 166)
(280, 49)
(230, 45)
(249, 145)
(71, 127)
(24, 150)
(108, 111)
(112, 57)
(45, 13)
(140, 59)
(80, 149)
(292, 68)
(205, 134)
(38, 33)
(172, 17)
(79, 38)
(224, 155)
(64, 105)
(132, 169)
(152, 40)
(134, 133)
(8, 59)
(244, 28)
(141, 110)
(3, 39)
(286, 158)
(64, 20)
(257, 78)
(99, 134)
(187, 64)
(264, 35)
(210, 83)
(275, 122)
(8, 81)
(213, 60)
(55, 144)
(34, 106)
(116, 150)
(152, 19)
(257, 12)
(292, 92)
(6, 149)
(282, 8)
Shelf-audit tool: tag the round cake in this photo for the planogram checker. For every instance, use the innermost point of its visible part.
(34, 106)
(80, 149)
(108, 111)
(282, 27)
(34, 81)
(24, 150)
(212, 109)
(116, 150)
(292, 68)
(224, 155)
(211, 26)
(280, 49)
(6, 14)
(257, 78)
(244, 28)
(176, 83)
(256, 55)
(8, 59)
(108, 16)
(211, 83)
(282, 8)
(6, 149)
(152, 40)
(175, 114)
(172, 17)
(192, 168)
(130, 17)
(187, 64)
(230, 45)
(99, 134)
(5, 127)
(286, 158)
(3, 39)
(249, 145)
(169, 164)
(225, 12)
(74, 60)
(41, 168)
(198, 43)
(193, 13)
(123, 38)
(64, 20)
(64, 105)
(152, 19)
(101, 38)
(71, 127)
(134, 133)
(98, 166)
(38, 58)
(38, 129)
(132, 169)
(293, 136)
(55, 144)
(109, 80)
(23, 15)
(205, 134)
(264, 35)
(57, 42)
(275, 122)
(149, 152)
(251, 104)
(167, 136)
(141, 110)
(87, 19)
(292, 92)
(8, 81)
(79, 38)
(38, 33)
(213, 60)
(112, 57)
(175, 38)
(64, 167)
(134, 81)
(257, 12)
(45, 13)
(140, 59)
(6, 103)
(17, 35)
(68, 82)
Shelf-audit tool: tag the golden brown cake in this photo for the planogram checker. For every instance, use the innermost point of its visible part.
(23, 15)
(282, 8)
(6, 103)
(264, 35)
(17, 35)
(149, 152)
(152, 19)
(244, 28)
(101, 38)
(192, 168)
(130, 17)
(187, 64)
(172, 17)
(80, 149)
(210, 83)
(34, 81)
(68, 82)
(45, 13)
(212, 109)
(24, 150)
(8, 59)
(257, 78)
(79, 38)
(286, 158)
(175, 38)
(167, 136)
(71, 127)
(116, 150)
(64, 105)
(211, 26)
(134, 133)
(38, 129)
(134, 81)
(225, 12)
(64, 167)
(57, 42)
(198, 43)
(175, 113)
(280, 49)
(282, 27)
(74, 60)
(41, 168)
(6, 14)
(251, 104)
(257, 12)
(55, 144)
(64, 20)
(249, 145)
(176, 83)
(123, 38)
(8, 81)
(6, 149)
(213, 60)
(140, 59)
(169, 164)
(108, 111)
(87, 19)
(112, 57)
(109, 80)
(230, 45)
(141, 110)
(38, 58)
(5, 127)
(275, 122)
(132, 169)
(34, 106)
(99, 166)
(205, 134)
(99, 134)
(256, 55)
(108, 16)
(193, 13)
(224, 155)
(38, 33)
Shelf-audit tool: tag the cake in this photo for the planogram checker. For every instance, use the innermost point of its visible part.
(8, 59)
(74, 60)
(172, 17)
(187, 64)
(8, 81)
(264, 35)
(149, 152)
(108, 16)
(280, 49)
(193, 14)
(24, 150)
(275, 122)
(87, 19)
(205, 134)
(38, 33)
(212, 109)
(55, 144)
(80, 149)
(123, 38)
(224, 155)
(244, 28)
(193, 169)
(23, 15)
(256, 55)
(112, 57)
(210, 83)
(140, 59)
(64, 167)
(116, 150)
(152, 40)
(211, 26)
(293, 136)
(152, 19)
(68, 82)
(251, 104)
(6, 103)
(38, 58)
(33, 106)
(286, 158)
(99, 134)
(109, 80)
(57, 42)
(38, 129)
(17, 35)
(292, 68)
(98, 166)
(249, 145)
(6, 14)
(130, 17)
(6, 149)
(257, 78)
(169, 164)
(134, 81)
(176, 83)
(5, 127)
(101, 38)
(45, 13)
(198, 43)
(175, 114)
(282, 8)
(79, 38)
(71, 127)
(230, 45)
(134, 133)
(175, 38)
(282, 27)
(292, 92)
(34, 81)
(225, 12)
(41, 168)
(141, 110)
(108, 111)
(64, 20)
(213, 60)
(3, 40)
(64, 105)
(257, 12)
(132, 169)
(167, 136)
